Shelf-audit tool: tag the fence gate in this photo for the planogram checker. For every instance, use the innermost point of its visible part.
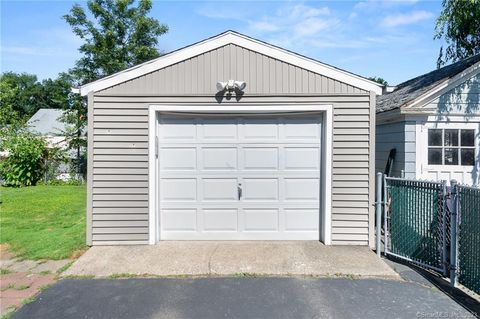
(415, 222)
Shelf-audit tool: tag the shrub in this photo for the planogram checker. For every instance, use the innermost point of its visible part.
(25, 163)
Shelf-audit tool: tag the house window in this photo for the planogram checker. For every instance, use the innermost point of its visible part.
(451, 147)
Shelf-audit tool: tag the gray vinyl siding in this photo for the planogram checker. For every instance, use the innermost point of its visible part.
(464, 98)
(401, 136)
(199, 75)
(119, 144)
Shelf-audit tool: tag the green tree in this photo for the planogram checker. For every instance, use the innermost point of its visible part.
(378, 80)
(119, 36)
(20, 94)
(116, 34)
(459, 26)
(8, 115)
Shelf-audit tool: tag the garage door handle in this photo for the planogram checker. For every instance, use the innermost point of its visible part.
(239, 190)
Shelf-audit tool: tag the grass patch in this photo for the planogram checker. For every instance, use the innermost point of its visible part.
(22, 287)
(79, 277)
(123, 276)
(10, 286)
(4, 271)
(43, 222)
(45, 287)
(28, 300)
(9, 313)
(64, 267)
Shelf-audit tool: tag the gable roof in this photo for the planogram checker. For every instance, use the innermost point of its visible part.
(231, 37)
(408, 92)
(47, 122)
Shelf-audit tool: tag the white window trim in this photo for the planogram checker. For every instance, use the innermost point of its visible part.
(327, 109)
(422, 145)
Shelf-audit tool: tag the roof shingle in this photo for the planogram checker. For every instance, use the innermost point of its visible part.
(412, 89)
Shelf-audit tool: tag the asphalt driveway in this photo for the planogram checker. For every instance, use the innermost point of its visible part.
(262, 297)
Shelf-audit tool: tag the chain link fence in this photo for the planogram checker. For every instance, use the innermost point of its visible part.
(434, 226)
(416, 225)
(469, 237)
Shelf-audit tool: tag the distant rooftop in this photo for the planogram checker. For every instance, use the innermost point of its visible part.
(47, 122)
(412, 89)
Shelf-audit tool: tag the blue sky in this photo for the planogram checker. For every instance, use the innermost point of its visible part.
(391, 39)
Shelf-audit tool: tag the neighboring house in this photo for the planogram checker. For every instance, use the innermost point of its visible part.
(433, 122)
(47, 122)
(173, 155)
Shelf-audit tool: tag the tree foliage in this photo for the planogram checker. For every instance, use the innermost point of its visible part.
(21, 95)
(378, 79)
(459, 26)
(119, 36)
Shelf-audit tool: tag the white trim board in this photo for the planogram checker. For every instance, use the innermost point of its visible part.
(221, 40)
(327, 109)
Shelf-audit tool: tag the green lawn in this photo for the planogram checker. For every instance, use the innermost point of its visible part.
(43, 222)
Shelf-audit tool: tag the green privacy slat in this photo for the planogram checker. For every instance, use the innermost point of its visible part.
(416, 223)
(469, 238)
(419, 227)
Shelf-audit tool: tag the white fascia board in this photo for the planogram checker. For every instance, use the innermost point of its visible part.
(240, 40)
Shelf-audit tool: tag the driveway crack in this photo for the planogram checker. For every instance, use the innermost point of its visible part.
(210, 259)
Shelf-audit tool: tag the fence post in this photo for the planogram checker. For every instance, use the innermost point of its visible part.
(454, 234)
(402, 173)
(444, 229)
(378, 210)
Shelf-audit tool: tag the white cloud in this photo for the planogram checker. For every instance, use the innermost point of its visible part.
(376, 4)
(406, 18)
(264, 26)
(311, 26)
(303, 11)
(298, 21)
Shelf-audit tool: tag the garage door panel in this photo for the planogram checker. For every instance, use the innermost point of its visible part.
(260, 158)
(261, 219)
(302, 189)
(219, 129)
(220, 220)
(179, 219)
(254, 129)
(177, 158)
(174, 129)
(274, 160)
(260, 189)
(301, 219)
(302, 128)
(219, 158)
(303, 158)
(219, 189)
(178, 189)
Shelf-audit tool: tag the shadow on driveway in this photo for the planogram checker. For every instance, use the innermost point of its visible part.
(262, 297)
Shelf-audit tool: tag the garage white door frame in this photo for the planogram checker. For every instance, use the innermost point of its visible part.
(326, 149)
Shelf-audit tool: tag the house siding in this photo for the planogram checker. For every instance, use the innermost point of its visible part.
(401, 136)
(263, 74)
(462, 99)
(119, 139)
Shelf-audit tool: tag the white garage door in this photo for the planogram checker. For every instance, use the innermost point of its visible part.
(239, 178)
